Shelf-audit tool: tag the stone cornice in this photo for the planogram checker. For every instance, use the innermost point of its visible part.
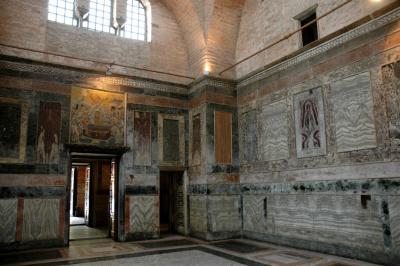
(63, 74)
(322, 48)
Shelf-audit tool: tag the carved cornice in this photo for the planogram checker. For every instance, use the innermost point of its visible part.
(214, 82)
(324, 47)
(63, 74)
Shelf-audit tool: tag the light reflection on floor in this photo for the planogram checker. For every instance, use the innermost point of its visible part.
(84, 232)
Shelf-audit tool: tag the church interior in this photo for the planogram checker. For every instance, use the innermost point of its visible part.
(200, 132)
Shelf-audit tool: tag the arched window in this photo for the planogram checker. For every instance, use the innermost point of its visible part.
(102, 16)
(137, 19)
(61, 11)
(99, 16)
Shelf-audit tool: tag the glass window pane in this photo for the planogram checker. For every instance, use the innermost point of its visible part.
(61, 11)
(51, 17)
(135, 27)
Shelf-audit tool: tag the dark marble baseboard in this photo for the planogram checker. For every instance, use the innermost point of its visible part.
(32, 192)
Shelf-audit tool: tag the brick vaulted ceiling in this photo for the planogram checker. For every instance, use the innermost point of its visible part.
(210, 30)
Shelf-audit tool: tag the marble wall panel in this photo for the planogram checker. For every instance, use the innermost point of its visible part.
(391, 84)
(48, 135)
(144, 214)
(224, 213)
(223, 137)
(13, 133)
(40, 219)
(196, 139)
(353, 113)
(334, 219)
(8, 220)
(171, 140)
(198, 213)
(309, 123)
(394, 214)
(248, 136)
(142, 138)
(254, 213)
(273, 131)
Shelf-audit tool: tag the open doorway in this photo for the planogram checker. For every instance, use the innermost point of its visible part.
(172, 202)
(92, 198)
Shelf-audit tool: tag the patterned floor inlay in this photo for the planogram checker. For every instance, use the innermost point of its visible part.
(167, 243)
(239, 246)
(286, 258)
(175, 250)
(29, 256)
(335, 263)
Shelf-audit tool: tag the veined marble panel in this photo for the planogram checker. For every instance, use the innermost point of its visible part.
(41, 219)
(248, 136)
(273, 131)
(358, 171)
(254, 213)
(333, 219)
(8, 220)
(309, 123)
(353, 113)
(224, 213)
(391, 83)
(144, 214)
(394, 214)
(198, 213)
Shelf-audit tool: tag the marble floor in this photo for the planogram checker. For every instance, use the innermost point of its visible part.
(174, 250)
(76, 220)
(77, 232)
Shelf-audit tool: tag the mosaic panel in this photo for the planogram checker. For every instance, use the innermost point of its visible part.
(97, 117)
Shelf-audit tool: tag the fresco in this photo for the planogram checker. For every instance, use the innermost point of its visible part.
(97, 117)
(13, 125)
(48, 137)
(310, 124)
(142, 138)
